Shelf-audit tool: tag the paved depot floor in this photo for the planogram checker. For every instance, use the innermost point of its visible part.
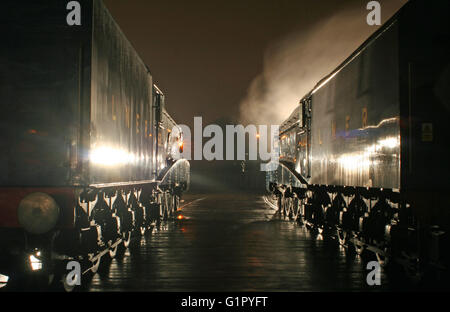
(234, 243)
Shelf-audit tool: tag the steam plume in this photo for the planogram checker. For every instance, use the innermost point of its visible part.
(296, 63)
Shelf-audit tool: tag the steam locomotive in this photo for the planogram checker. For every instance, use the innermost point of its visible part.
(364, 156)
(90, 155)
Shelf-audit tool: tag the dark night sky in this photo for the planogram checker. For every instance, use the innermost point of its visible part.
(206, 54)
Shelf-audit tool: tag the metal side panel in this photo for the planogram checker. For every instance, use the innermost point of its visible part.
(44, 79)
(355, 119)
(121, 106)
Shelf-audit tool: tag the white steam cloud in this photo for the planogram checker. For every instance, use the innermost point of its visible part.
(293, 66)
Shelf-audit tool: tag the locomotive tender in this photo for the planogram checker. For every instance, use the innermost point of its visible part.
(365, 154)
(89, 153)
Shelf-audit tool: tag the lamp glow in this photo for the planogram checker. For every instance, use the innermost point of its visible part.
(107, 156)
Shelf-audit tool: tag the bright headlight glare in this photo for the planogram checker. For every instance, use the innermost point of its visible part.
(107, 156)
(36, 263)
(38, 213)
(3, 280)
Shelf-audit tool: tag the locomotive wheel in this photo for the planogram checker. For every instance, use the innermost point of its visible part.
(294, 210)
(166, 214)
(299, 219)
(383, 260)
(299, 216)
(170, 206)
(342, 236)
(291, 209)
(96, 265)
(126, 239)
(359, 249)
(176, 203)
(279, 204)
(113, 252)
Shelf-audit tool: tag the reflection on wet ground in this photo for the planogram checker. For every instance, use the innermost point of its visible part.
(234, 243)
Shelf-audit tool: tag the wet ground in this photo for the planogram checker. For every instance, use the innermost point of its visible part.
(235, 243)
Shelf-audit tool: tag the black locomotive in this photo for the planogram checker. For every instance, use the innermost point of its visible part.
(365, 154)
(90, 155)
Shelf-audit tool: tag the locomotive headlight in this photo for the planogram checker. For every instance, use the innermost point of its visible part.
(35, 261)
(106, 156)
(38, 213)
(3, 280)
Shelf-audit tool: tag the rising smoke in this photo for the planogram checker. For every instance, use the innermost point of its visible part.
(294, 65)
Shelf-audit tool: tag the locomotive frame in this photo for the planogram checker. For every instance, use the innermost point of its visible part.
(89, 158)
(363, 158)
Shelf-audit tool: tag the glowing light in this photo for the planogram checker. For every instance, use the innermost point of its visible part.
(389, 142)
(180, 217)
(363, 160)
(257, 136)
(354, 161)
(3, 280)
(107, 156)
(36, 264)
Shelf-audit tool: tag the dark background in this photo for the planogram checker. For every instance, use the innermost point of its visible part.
(235, 61)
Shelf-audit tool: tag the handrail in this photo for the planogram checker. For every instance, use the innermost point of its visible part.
(291, 169)
(163, 174)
